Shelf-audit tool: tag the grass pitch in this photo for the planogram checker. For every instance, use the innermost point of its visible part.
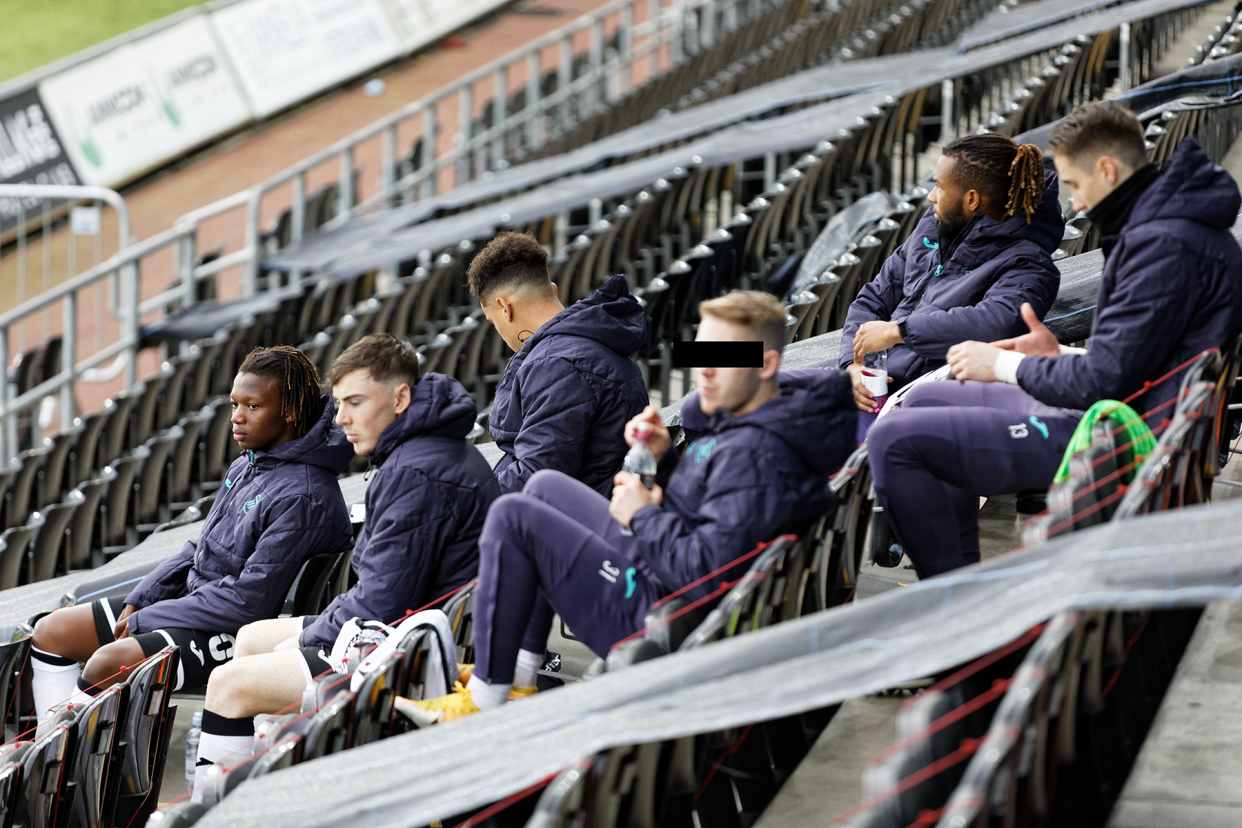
(35, 32)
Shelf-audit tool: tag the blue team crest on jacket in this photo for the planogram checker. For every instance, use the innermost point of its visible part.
(250, 504)
(701, 451)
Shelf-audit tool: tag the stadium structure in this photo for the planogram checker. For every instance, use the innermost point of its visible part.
(1083, 674)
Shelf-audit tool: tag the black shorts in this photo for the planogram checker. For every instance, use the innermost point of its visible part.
(314, 665)
(201, 652)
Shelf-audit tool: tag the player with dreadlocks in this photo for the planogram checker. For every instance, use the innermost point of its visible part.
(982, 250)
(280, 504)
(1171, 289)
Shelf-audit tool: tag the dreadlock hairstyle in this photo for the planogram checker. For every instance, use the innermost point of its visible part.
(1003, 171)
(299, 382)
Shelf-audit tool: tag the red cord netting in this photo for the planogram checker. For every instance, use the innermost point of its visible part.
(961, 754)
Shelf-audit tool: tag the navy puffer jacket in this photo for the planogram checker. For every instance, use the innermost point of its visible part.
(275, 510)
(745, 480)
(1171, 289)
(951, 292)
(567, 394)
(424, 511)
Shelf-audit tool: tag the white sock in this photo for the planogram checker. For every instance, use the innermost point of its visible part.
(528, 665)
(54, 680)
(486, 696)
(222, 740)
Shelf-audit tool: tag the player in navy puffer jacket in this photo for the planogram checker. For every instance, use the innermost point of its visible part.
(424, 510)
(570, 389)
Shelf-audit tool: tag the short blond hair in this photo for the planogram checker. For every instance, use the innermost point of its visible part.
(760, 313)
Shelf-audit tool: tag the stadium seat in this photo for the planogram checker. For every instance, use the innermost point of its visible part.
(43, 762)
(169, 407)
(373, 703)
(13, 655)
(182, 488)
(152, 479)
(565, 802)
(86, 789)
(316, 583)
(10, 787)
(178, 815)
(142, 417)
(55, 462)
(23, 489)
(85, 454)
(112, 437)
(83, 529)
(13, 545)
(49, 550)
(216, 444)
(329, 729)
(145, 726)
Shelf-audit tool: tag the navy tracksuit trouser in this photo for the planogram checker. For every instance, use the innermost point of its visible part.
(949, 443)
(553, 548)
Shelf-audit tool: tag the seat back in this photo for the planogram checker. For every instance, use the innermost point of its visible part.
(151, 477)
(52, 478)
(83, 534)
(116, 503)
(10, 787)
(45, 555)
(43, 777)
(142, 418)
(13, 655)
(566, 801)
(170, 404)
(373, 707)
(285, 753)
(112, 438)
(13, 545)
(150, 685)
(20, 495)
(85, 453)
(330, 728)
(216, 435)
(460, 612)
(181, 465)
(313, 589)
(97, 725)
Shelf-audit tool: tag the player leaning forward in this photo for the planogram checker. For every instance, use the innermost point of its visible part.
(762, 446)
(280, 504)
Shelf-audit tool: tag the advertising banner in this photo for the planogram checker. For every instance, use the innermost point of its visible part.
(30, 152)
(285, 51)
(421, 22)
(130, 110)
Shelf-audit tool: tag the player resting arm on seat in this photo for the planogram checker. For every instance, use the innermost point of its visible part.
(763, 447)
(1171, 289)
(280, 504)
(571, 386)
(982, 250)
(424, 510)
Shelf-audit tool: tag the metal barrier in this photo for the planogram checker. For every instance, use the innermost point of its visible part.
(30, 327)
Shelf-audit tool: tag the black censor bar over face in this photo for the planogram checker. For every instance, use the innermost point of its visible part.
(718, 354)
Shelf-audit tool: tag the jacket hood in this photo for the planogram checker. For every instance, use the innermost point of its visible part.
(439, 405)
(811, 404)
(324, 445)
(1046, 229)
(610, 316)
(1190, 187)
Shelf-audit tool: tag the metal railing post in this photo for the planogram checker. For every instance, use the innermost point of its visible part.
(345, 185)
(500, 113)
(534, 135)
(427, 187)
(69, 360)
(8, 428)
(297, 213)
(250, 275)
(948, 127)
(388, 166)
(626, 47)
(465, 102)
(130, 293)
(186, 254)
(1123, 58)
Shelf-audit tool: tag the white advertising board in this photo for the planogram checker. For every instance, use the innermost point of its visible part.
(422, 22)
(130, 110)
(287, 50)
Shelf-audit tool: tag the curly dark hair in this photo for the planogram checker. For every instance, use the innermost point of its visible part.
(298, 379)
(1003, 171)
(509, 260)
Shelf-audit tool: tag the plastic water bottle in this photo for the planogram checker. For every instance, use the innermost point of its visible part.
(640, 462)
(191, 749)
(875, 376)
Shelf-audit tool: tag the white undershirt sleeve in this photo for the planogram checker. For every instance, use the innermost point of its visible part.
(1006, 367)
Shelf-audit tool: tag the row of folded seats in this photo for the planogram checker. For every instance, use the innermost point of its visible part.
(1043, 730)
